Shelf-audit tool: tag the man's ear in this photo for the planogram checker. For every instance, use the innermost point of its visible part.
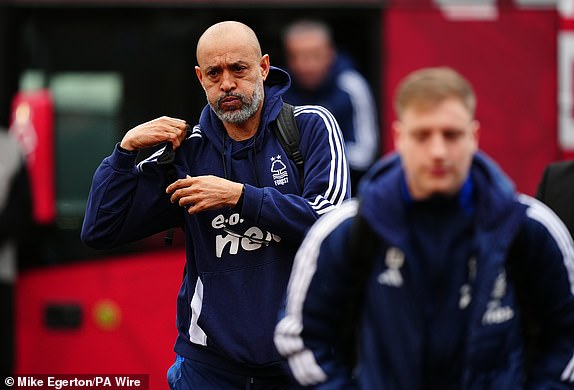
(264, 65)
(198, 74)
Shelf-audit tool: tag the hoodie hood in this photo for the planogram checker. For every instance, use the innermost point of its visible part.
(342, 63)
(277, 82)
(494, 197)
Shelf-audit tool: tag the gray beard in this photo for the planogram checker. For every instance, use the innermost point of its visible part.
(248, 108)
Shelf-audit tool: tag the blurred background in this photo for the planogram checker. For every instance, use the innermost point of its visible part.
(76, 75)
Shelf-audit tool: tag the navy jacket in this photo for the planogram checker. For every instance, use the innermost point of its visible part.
(228, 302)
(517, 241)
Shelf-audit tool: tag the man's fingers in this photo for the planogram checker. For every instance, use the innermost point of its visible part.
(177, 135)
(178, 184)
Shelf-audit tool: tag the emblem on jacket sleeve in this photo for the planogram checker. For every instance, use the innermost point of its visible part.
(496, 313)
(279, 171)
(394, 260)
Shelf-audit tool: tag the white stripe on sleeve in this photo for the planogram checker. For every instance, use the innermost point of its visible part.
(288, 331)
(363, 151)
(338, 172)
(543, 214)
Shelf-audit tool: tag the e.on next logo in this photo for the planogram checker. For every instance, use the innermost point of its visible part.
(237, 237)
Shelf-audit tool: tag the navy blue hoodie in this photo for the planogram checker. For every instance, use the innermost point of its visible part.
(519, 264)
(229, 299)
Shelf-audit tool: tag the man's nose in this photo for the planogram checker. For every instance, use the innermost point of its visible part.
(227, 82)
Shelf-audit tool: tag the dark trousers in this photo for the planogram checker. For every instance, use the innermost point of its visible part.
(186, 374)
(7, 333)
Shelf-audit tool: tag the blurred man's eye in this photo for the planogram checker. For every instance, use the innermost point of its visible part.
(453, 134)
(420, 136)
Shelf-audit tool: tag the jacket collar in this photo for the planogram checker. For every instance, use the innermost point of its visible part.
(494, 200)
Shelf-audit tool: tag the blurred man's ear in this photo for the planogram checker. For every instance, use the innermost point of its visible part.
(396, 134)
(332, 52)
(475, 132)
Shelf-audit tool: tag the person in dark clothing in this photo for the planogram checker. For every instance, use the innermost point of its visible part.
(556, 190)
(16, 221)
(469, 284)
(327, 77)
(242, 204)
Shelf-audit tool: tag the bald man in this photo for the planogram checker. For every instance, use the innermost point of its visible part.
(240, 201)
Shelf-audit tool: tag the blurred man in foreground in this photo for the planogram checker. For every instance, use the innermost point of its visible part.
(467, 284)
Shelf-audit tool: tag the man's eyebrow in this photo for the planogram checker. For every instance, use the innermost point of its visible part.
(239, 62)
(211, 68)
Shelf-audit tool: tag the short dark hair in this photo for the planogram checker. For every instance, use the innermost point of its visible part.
(306, 25)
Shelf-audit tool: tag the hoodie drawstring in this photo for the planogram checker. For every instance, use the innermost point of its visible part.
(252, 155)
(226, 153)
(224, 138)
(226, 158)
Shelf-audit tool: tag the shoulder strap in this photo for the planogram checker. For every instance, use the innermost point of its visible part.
(531, 328)
(363, 245)
(287, 132)
(166, 160)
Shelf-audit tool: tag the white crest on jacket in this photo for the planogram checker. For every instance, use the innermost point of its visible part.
(279, 171)
(394, 259)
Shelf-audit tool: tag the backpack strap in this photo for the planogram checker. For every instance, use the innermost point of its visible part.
(287, 133)
(166, 161)
(531, 328)
(363, 246)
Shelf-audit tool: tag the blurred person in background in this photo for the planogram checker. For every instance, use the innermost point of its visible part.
(325, 76)
(454, 280)
(16, 222)
(242, 204)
